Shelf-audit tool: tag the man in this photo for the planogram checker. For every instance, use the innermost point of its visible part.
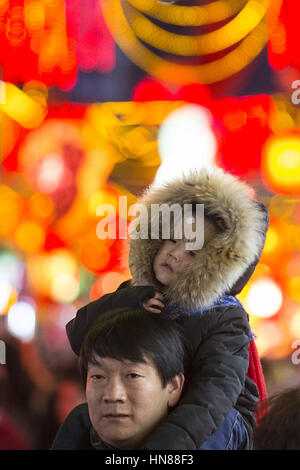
(132, 363)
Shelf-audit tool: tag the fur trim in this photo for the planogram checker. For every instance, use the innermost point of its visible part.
(228, 202)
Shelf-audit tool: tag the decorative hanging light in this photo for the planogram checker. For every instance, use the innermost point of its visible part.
(178, 57)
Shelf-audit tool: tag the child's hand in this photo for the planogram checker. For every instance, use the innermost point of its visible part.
(155, 304)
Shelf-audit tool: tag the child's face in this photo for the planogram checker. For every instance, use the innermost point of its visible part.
(173, 259)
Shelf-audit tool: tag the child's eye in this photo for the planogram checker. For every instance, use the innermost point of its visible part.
(172, 240)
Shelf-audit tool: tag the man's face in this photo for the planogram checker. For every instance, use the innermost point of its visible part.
(173, 258)
(126, 400)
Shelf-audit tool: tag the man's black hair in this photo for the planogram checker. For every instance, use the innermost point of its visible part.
(135, 335)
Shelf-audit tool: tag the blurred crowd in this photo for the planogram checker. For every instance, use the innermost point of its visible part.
(36, 395)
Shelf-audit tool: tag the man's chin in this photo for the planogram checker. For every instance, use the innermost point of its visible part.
(114, 429)
(119, 440)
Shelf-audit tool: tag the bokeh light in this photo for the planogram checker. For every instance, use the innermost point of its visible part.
(294, 326)
(65, 288)
(95, 255)
(12, 269)
(111, 281)
(30, 236)
(268, 339)
(60, 261)
(281, 165)
(100, 197)
(283, 26)
(11, 131)
(21, 321)
(41, 207)
(264, 298)
(21, 108)
(51, 172)
(185, 141)
(8, 296)
(272, 241)
(10, 210)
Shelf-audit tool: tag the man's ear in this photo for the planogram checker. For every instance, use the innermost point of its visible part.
(175, 389)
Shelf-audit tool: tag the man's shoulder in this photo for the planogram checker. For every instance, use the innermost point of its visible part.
(79, 412)
(74, 433)
(231, 316)
(215, 312)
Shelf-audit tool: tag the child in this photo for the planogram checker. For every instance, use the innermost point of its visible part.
(197, 289)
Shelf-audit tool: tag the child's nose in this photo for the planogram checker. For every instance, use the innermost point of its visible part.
(178, 251)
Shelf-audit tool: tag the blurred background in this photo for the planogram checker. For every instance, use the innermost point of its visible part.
(98, 99)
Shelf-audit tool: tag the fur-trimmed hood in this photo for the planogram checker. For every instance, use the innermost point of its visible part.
(229, 257)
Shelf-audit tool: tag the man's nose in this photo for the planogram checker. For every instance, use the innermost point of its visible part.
(114, 391)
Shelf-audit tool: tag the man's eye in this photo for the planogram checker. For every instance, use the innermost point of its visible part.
(132, 375)
(172, 240)
(96, 377)
(192, 253)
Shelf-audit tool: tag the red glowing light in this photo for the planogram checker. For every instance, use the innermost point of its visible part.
(243, 127)
(50, 41)
(283, 44)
